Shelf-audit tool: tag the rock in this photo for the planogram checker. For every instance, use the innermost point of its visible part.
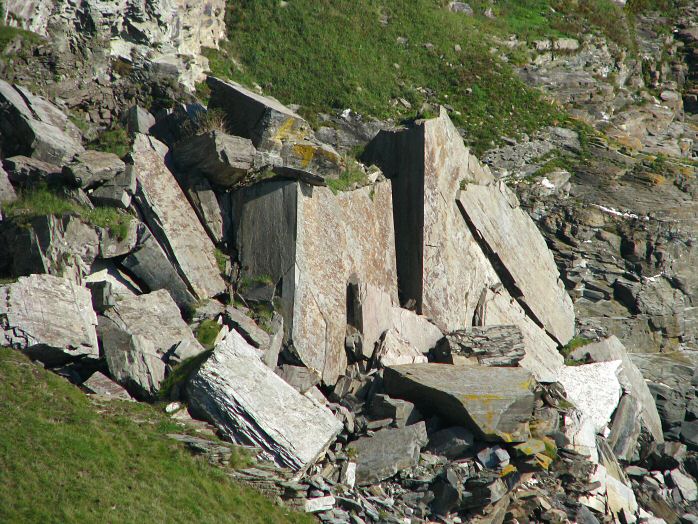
(443, 263)
(594, 389)
(248, 328)
(7, 192)
(100, 384)
(89, 169)
(302, 379)
(685, 484)
(33, 127)
(495, 403)
(24, 171)
(392, 350)
(387, 452)
(49, 318)
(630, 378)
(372, 312)
(402, 413)
(671, 406)
(451, 442)
(689, 433)
(118, 191)
(309, 243)
(625, 428)
(138, 340)
(460, 7)
(620, 497)
(494, 457)
(149, 264)
(139, 120)
(250, 404)
(319, 504)
(207, 206)
(488, 346)
(223, 159)
(169, 216)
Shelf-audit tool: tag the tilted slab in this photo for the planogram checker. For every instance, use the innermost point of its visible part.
(250, 404)
(173, 221)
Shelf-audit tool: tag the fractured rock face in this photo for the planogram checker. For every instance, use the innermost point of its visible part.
(31, 126)
(495, 403)
(393, 350)
(172, 220)
(48, 317)
(456, 268)
(489, 346)
(93, 168)
(310, 243)
(252, 405)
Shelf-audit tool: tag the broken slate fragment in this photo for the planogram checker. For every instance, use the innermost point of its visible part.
(393, 350)
(250, 404)
(102, 385)
(48, 317)
(496, 403)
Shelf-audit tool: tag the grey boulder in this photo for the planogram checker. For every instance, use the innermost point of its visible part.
(93, 168)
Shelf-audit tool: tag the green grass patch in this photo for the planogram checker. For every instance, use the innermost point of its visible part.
(221, 260)
(42, 201)
(115, 140)
(352, 176)
(10, 34)
(181, 373)
(207, 332)
(575, 343)
(67, 459)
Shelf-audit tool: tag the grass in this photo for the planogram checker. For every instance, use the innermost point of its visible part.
(221, 260)
(10, 34)
(207, 332)
(66, 459)
(115, 140)
(337, 54)
(576, 342)
(42, 201)
(181, 373)
(351, 176)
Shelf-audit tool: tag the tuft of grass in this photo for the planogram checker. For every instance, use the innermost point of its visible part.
(575, 343)
(115, 140)
(42, 201)
(207, 332)
(181, 373)
(351, 176)
(221, 260)
(10, 34)
(212, 120)
(110, 461)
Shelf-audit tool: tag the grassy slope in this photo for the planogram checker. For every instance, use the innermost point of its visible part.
(63, 460)
(336, 54)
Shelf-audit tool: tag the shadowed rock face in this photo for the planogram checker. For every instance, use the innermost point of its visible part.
(310, 242)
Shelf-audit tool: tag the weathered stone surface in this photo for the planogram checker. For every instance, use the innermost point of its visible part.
(24, 171)
(144, 330)
(252, 405)
(496, 403)
(301, 378)
(92, 168)
(488, 346)
(387, 452)
(620, 497)
(451, 442)
(524, 263)
(100, 384)
(48, 317)
(625, 428)
(31, 126)
(393, 350)
(7, 191)
(372, 312)
(442, 262)
(111, 246)
(309, 242)
(149, 264)
(139, 120)
(223, 159)
(118, 191)
(205, 201)
(402, 413)
(594, 389)
(169, 216)
(630, 378)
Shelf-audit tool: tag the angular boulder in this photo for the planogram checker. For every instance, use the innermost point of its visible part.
(495, 403)
(172, 220)
(310, 243)
(393, 350)
(48, 317)
(138, 336)
(251, 405)
(488, 346)
(118, 191)
(92, 168)
(24, 171)
(223, 159)
(32, 126)
(445, 264)
(7, 191)
(387, 452)
(100, 384)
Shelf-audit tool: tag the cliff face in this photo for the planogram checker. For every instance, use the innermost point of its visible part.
(417, 334)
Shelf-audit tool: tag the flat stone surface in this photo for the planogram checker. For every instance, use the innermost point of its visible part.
(625, 428)
(489, 345)
(102, 385)
(92, 168)
(687, 486)
(451, 442)
(387, 452)
(495, 403)
(594, 389)
(251, 405)
(173, 221)
(393, 350)
(48, 317)
(310, 243)
(7, 191)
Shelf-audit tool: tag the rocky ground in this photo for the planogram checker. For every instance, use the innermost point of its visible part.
(416, 336)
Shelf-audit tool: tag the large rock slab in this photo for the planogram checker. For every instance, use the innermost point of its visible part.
(495, 403)
(142, 332)
(32, 126)
(393, 350)
(7, 191)
(387, 452)
(250, 404)
(311, 243)
(630, 378)
(525, 264)
(48, 317)
(173, 221)
(489, 346)
(443, 264)
(93, 168)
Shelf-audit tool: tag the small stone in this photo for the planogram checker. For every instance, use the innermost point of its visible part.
(319, 504)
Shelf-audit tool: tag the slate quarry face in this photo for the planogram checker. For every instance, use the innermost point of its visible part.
(311, 242)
